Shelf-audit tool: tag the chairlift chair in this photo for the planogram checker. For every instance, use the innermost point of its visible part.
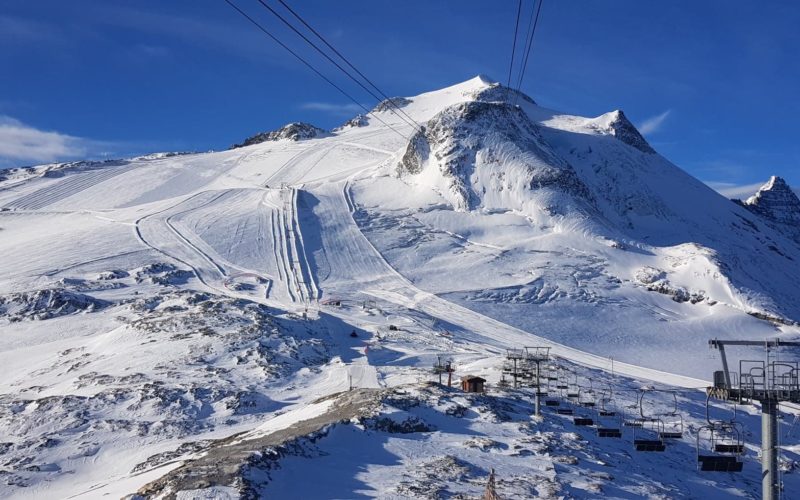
(673, 422)
(573, 389)
(608, 422)
(720, 444)
(648, 434)
(587, 397)
(562, 379)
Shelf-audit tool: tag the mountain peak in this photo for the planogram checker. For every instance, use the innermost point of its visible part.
(483, 80)
(776, 201)
(294, 131)
(617, 124)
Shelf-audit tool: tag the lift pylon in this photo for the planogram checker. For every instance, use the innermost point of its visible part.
(769, 382)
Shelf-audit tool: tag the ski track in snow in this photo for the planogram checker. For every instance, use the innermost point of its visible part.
(70, 186)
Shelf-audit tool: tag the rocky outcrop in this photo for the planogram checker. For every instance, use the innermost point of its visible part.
(500, 93)
(296, 131)
(776, 201)
(778, 205)
(489, 155)
(391, 103)
(354, 122)
(46, 304)
(617, 124)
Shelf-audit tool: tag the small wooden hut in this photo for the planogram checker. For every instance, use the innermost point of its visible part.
(471, 383)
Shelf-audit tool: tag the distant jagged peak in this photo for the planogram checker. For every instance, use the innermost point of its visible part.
(775, 186)
(390, 104)
(777, 201)
(295, 131)
(615, 123)
(354, 122)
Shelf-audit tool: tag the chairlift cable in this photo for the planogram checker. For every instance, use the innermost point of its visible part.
(343, 58)
(514, 45)
(528, 49)
(329, 58)
(310, 66)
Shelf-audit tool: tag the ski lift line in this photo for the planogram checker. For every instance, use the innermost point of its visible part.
(528, 50)
(343, 58)
(527, 37)
(513, 46)
(311, 67)
(329, 58)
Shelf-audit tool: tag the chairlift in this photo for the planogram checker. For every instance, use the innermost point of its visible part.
(573, 389)
(552, 372)
(673, 421)
(587, 397)
(562, 379)
(720, 444)
(608, 422)
(648, 435)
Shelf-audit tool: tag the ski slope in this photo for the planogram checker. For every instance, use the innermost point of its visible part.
(205, 295)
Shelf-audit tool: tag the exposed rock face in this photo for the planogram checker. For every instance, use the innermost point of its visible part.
(46, 304)
(354, 122)
(296, 131)
(500, 93)
(489, 155)
(778, 205)
(617, 124)
(777, 202)
(391, 103)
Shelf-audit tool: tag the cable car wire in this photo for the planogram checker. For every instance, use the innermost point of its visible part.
(529, 46)
(310, 66)
(513, 46)
(343, 58)
(329, 58)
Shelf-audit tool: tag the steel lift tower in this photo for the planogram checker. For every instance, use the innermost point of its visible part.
(769, 381)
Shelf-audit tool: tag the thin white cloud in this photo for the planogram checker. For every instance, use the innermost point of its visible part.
(739, 191)
(332, 108)
(653, 124)
(734, 191)
(21, 143)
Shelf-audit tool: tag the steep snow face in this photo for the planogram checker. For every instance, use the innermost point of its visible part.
(776, 201)
(494, 151)
(293, 131)
(490, 155)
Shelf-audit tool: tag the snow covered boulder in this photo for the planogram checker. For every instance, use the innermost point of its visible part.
(46, 304)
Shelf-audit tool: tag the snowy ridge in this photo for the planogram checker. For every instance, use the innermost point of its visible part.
(293, 131)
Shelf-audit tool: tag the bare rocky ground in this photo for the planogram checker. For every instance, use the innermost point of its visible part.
(216, 361)
(430, 441)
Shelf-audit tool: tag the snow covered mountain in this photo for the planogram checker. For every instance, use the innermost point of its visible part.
(778, 204)
(175, 323)
(775, 200)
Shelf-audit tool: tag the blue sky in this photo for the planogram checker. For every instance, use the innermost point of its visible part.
(712, 84)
